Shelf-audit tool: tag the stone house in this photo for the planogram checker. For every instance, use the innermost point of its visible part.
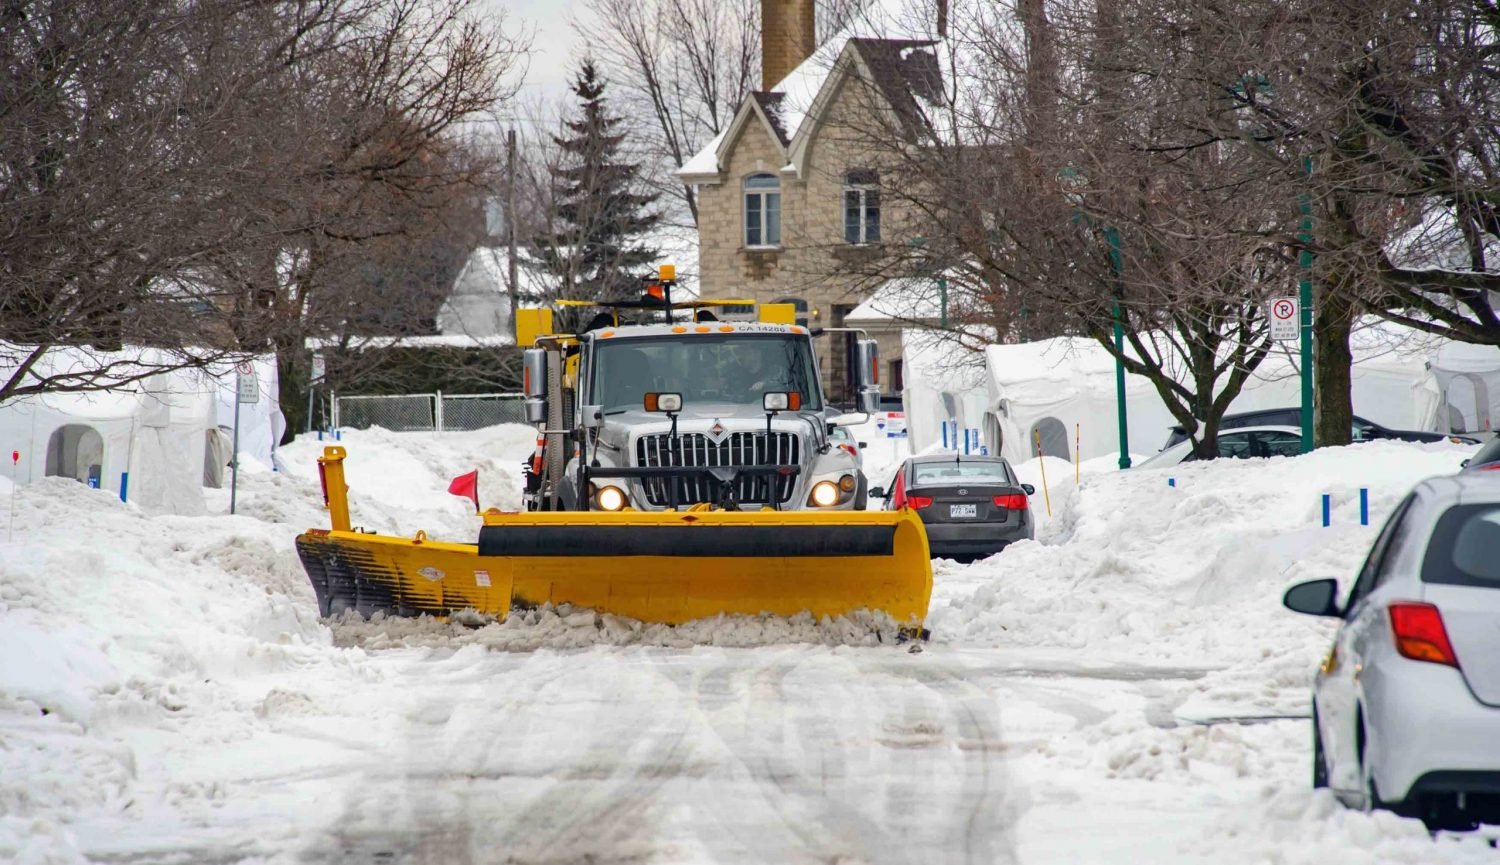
(790, 193)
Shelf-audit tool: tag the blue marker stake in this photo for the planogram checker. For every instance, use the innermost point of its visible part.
(1171, 482)
(124, 484)
(1364, 506)
(1327, 508)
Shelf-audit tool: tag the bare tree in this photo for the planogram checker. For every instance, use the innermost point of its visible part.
(188, 178)
(1056, 191)
(681, 69)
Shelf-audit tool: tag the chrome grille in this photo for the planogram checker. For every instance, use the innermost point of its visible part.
(738, 449)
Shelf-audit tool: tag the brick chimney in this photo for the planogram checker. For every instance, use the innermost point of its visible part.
(787, 37)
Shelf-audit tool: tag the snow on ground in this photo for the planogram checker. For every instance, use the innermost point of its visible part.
(1126, 688)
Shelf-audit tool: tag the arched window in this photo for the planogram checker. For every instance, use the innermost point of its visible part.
(762, 210)
(861, 207)
(801, 307)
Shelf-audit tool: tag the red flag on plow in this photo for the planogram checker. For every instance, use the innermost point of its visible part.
(468, 487)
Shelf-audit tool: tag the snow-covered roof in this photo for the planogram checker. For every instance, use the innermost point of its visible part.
(909, 300)
(787, 105)
(454, 340)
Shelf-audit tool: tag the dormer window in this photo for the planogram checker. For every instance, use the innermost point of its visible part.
(762, 210)
(861, 207)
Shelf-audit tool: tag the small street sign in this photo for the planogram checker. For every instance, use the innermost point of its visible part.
(248, 387)
(319, 368)
(1285, 321)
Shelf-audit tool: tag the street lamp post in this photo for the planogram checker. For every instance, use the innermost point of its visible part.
(1304, 303)
(1112, 237)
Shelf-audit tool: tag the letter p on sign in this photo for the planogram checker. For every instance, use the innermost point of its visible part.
(1285, 325)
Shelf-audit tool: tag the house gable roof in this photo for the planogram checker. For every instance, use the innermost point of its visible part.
(707, 166)
(905, 72)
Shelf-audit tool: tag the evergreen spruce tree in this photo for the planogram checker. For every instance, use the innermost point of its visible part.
(594, 251)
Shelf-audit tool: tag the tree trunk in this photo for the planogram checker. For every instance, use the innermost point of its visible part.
(293, 369)
(1333, 414)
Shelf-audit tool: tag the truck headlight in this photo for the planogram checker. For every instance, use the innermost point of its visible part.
(825, 494)
(611, 499)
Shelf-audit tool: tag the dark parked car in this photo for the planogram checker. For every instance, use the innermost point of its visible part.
(1364, 430)
(1243, 443)
(1486, 459)
(971, 505)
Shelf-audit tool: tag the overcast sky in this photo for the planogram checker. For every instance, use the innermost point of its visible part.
(554, 55)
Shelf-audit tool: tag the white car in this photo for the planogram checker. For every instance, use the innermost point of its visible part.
(1237, 443)
(1406, 707)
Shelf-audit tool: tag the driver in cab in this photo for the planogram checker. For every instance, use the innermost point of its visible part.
(751, 371)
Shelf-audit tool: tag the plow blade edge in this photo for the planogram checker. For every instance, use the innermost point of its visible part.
(668, 567)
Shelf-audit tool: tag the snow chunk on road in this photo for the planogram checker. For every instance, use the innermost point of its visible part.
(569, 628)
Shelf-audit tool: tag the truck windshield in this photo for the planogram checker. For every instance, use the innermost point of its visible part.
(737, 368)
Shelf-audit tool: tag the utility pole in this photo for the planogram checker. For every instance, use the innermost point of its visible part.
(510, 223)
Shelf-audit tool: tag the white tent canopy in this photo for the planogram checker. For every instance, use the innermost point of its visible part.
(1063, 390)
(146, 441)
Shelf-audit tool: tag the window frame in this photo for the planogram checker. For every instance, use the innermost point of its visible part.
(763, 194)
(864, 184)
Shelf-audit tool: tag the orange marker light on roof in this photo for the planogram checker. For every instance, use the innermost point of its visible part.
(679, 329)
(702, 329)
(607, 334)
(724, 328)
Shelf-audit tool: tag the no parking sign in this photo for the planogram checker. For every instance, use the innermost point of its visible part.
(1284, 323)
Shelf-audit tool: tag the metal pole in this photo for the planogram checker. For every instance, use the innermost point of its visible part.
(1112, 236)
(510, 224)
(943, 301)
(1304, 302)
(309, 406)
(234, 461)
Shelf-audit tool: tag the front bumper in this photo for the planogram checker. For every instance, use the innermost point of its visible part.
(957, 539)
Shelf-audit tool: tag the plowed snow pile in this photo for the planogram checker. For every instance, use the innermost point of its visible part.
(172, 671)
(1131, 567)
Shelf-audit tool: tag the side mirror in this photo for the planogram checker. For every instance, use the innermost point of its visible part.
(1030, 490)
(590, 416)
(1314, 597)
(863, 445)
(877, 492)
(534, 384)
(534, 373)
(867, 374)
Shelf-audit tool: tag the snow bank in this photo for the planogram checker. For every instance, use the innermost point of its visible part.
(1192, 574)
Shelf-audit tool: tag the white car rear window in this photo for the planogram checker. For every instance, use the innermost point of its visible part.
(1465, 547)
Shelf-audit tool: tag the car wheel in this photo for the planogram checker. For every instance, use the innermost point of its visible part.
(1320, 760)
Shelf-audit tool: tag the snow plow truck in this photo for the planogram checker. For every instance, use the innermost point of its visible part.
(684, 469)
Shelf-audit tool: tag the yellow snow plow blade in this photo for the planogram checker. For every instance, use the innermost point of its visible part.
(677, 566)
(669, 567)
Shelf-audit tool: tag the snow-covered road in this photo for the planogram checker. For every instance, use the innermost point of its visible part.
(775, 754)
(1124, 690)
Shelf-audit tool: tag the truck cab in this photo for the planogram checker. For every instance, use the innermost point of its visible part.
(676, 414)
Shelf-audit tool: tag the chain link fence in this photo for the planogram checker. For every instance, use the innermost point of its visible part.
(429, 412)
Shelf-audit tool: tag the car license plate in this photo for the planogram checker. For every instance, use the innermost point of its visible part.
(963, 510)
